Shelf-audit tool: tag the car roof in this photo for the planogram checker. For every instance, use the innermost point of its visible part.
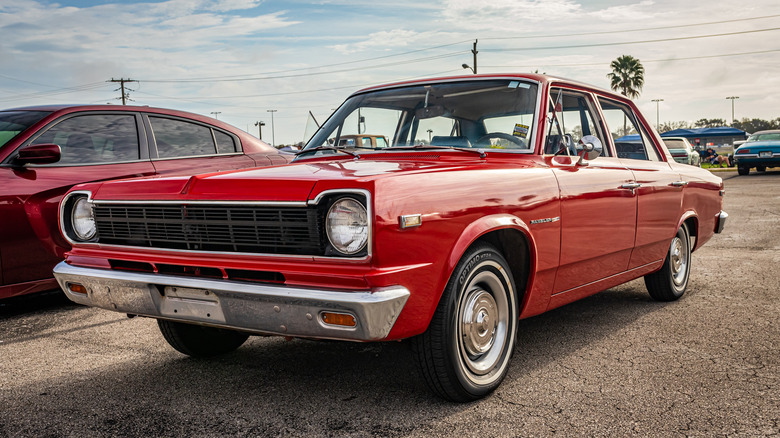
(541, 78)
(768, 131)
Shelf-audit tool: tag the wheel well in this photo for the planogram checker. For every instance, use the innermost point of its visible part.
(513, 245)
(693, 225)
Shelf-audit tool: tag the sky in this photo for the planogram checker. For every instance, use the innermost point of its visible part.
(238, 59)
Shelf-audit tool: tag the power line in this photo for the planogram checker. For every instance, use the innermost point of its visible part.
(579, 46)
(125, 95)
(687, 58)
(410, 61)
(608, 32)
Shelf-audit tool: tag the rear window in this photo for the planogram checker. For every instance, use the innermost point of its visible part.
(675, 144)
(12, 123)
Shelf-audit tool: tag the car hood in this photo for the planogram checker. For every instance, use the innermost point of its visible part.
(291, 182)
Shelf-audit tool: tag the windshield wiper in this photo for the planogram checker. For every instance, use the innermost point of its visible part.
(429, 146)
(327, 148)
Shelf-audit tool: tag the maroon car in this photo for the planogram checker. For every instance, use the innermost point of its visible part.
(46, 150)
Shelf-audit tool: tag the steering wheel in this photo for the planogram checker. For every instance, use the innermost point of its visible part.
(502, 135)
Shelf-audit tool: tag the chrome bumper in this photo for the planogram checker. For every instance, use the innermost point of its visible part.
(721, 221)
(257, 308)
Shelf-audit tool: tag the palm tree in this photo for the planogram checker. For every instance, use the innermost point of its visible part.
(628, 77)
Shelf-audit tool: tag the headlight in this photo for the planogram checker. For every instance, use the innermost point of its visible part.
(347, 226)
(83, 219)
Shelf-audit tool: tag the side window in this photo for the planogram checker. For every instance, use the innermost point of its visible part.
(225, 143)
(570, 116)
(177, 138)
(94, 139)
(630, 139)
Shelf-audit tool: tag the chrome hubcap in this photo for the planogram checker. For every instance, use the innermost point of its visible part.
(479, 322)
(483, 324)
(678, 259)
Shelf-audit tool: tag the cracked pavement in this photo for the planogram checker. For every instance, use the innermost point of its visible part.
(614, 364)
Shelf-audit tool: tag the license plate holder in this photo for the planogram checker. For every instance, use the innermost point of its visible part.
(192, 304)
(765, 154)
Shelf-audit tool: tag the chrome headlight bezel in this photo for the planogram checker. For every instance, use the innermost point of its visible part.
(347, 226)
(77, 220)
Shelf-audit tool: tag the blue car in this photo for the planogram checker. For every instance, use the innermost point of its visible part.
(761, 150)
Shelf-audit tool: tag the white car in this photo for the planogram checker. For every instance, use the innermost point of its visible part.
(682, 151)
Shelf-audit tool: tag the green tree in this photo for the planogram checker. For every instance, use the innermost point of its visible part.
(628, 76)
(671, 126)
(709, 123)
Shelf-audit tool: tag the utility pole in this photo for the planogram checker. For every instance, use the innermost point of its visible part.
(216, 113)
(657, 112)
(732, 98)
(122, 81)
(273, 131)
(260, 125)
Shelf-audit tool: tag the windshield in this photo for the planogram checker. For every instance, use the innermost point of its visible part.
(490, 114)
(12, 123)
(770, 136)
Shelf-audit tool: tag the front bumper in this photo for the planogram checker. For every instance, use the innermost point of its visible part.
(721, 221)
(257, 308)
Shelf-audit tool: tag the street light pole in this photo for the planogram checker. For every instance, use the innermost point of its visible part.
(657, 113)
(732, 98)
(273, 130)
(260, 125)
(474, 51)
(216, 113)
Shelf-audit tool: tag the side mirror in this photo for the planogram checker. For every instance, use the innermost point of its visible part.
(45, 153)
(591, 148)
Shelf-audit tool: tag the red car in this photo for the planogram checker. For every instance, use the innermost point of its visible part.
(46, 150)
(499, 197)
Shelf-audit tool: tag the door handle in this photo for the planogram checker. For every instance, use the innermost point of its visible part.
(631, 186)
(679, 184)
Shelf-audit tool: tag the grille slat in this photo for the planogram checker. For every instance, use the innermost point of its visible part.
(249, 229)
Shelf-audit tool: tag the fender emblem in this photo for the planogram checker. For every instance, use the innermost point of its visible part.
(546, 220)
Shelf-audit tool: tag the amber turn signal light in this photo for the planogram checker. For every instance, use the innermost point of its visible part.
(77, 288)
(342, 319)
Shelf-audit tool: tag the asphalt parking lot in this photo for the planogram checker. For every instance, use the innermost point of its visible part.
(614, 364)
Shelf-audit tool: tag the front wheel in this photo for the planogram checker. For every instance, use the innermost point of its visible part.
(464, 354)
(670, 282)
(200, 341)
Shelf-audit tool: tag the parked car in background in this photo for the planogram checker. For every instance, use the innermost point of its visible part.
(761, 150)
(448, 244)
(362, 140)
(46, 150)
(682, 151)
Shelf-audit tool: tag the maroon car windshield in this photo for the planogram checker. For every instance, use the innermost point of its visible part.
(13, 123)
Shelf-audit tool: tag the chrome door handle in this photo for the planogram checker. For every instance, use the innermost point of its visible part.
(631, 186)
(679, 184)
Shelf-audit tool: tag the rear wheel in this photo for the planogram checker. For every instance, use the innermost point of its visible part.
(465, 353)
(743, 170)
(200, 341)
(669, 283)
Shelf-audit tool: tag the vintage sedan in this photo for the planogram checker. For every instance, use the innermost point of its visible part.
(46, 150)
(682, 151)
(499, 197)
(760, 151)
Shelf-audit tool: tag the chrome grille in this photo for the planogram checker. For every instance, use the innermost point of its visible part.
(225, 228)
